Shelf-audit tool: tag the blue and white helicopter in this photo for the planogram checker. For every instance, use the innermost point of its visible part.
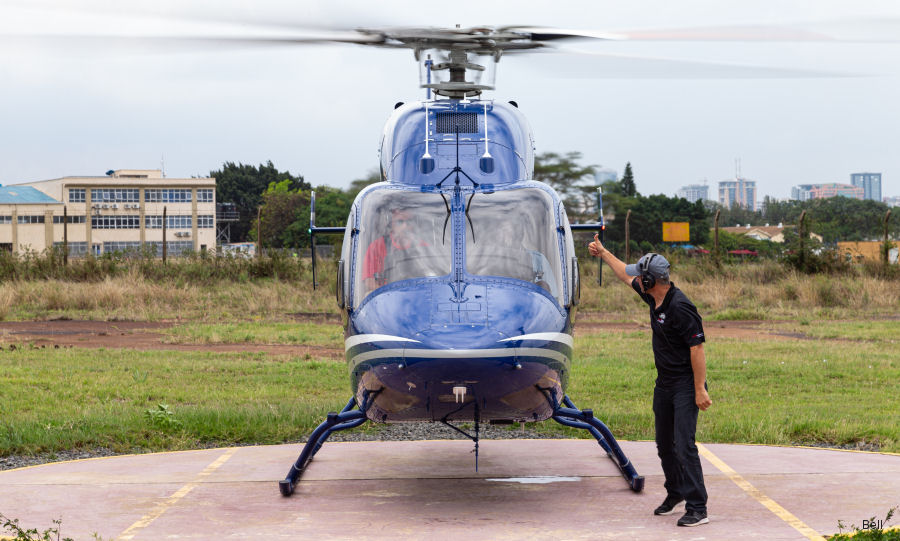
(458, 281)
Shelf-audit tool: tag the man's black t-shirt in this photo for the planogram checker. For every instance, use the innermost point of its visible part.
(677, 327)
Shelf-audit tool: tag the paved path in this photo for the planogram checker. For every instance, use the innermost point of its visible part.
(553, 489)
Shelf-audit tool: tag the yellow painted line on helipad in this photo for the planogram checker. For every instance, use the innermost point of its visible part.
(164, 506)
(757, 495)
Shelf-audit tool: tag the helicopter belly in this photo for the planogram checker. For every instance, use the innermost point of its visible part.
(424, 384)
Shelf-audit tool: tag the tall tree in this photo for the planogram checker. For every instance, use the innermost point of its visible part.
(628, 187)
(244, 185)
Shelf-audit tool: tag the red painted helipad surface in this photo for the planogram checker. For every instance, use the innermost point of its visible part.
(555, 489)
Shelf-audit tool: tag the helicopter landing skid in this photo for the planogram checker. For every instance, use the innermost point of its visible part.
(584, 419)
(347, 418)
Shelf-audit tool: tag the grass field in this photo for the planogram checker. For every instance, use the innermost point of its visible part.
(838, 390)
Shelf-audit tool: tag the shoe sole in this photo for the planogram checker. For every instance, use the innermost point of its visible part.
(670, 512)
(698, 523)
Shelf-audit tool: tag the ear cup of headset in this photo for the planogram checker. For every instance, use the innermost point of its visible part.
(647, 279)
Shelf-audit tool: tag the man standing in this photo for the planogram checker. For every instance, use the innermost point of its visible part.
(680, 390)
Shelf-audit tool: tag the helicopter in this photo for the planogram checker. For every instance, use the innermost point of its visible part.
(457, 281)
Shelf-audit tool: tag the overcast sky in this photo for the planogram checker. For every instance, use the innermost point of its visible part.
(82, 108)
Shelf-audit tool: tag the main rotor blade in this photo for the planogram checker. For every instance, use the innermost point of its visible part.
(870, 31)
(597, 65)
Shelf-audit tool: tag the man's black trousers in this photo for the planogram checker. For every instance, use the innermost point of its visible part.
(676, 411)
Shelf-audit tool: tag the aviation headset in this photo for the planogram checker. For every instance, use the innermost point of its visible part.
(647, 279)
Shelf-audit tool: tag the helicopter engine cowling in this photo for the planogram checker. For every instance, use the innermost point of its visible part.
(490, 140)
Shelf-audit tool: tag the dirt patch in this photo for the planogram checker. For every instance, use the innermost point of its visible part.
(138, 335)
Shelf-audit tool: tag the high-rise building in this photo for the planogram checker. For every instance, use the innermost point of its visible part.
(738, 191)
(694, 192)
(870, 183)
(893, 201)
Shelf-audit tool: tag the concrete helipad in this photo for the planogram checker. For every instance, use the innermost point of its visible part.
(555, 489)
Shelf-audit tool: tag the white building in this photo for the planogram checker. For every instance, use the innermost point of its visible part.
(120, 211)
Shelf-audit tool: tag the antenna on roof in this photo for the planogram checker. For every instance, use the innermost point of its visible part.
(162, 165)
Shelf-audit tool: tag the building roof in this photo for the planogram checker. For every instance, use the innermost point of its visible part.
(17, 195)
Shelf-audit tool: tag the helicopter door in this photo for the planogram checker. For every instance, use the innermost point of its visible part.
(574, 284)
(513, 234)
(342, 285)
(401, 236)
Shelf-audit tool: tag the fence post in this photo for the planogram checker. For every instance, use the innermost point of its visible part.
(628, 236)
(164, 236)
(65, 236)
(886, 247)
(258, 245)
(716, 235)
(802, 241)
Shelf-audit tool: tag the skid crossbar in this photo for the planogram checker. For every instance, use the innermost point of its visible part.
(347, 418)
(585, 420)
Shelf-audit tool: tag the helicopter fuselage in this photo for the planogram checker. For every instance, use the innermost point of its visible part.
(458, 280)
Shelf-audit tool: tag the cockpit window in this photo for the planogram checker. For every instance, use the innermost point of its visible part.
(513, 234)
(401, 236)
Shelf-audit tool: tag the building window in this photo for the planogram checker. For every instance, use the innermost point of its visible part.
(114, 195)
(173, 247)
(5, 219)
(205, 195)
(72, 219)
(167, 195)
(121, 246)
(205, 221)
(116, 222)
(172, 222)
(30, 219)
(76, 249)
(76, 195)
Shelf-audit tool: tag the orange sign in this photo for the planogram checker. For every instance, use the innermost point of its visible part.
(676, 232)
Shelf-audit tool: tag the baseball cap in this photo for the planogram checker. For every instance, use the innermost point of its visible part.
(654, 264)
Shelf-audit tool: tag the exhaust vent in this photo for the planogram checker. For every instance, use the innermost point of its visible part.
(447, 122)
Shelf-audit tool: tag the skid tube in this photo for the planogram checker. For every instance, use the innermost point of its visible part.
(347, 418)
(584, 419)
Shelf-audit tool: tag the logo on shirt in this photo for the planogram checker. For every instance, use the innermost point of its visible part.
(661, 318)
(698, 335)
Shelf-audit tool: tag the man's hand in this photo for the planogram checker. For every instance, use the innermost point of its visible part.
(596, 248)
(702, 399)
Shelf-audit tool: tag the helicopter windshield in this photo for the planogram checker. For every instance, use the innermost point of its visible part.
(400, 237)
(514, 236)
